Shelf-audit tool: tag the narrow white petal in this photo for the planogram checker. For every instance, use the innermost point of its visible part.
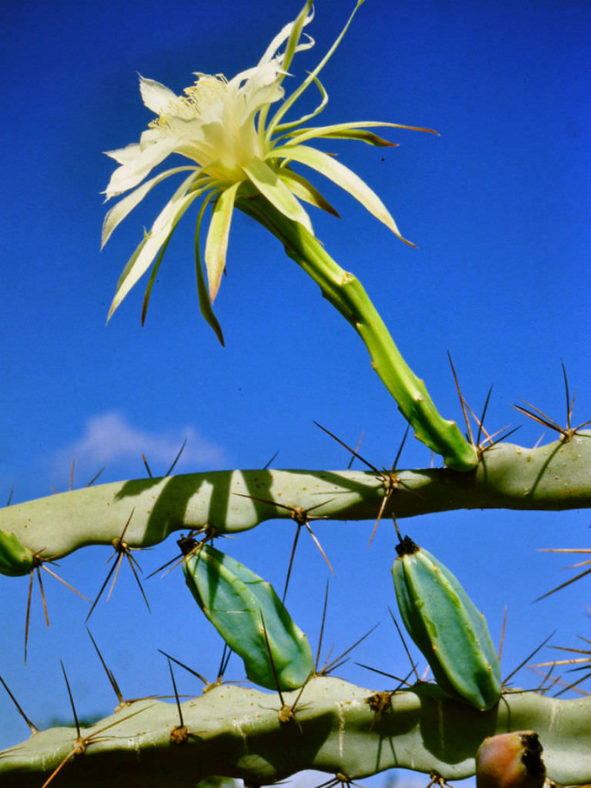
(258, 76)
(216, 245)
(139, 164)
(312, 76)
(343, 177)
(266, 180)
(285, 33)
(304, 190)
(147, 250)
(124, 155)
(333, 131)
(119, 211)
(156, 96)
(280, 128)
(262, 86)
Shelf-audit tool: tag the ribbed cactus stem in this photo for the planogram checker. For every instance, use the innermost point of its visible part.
(236, 732)
(551, 477)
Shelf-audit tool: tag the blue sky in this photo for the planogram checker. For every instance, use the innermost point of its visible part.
(497, 205)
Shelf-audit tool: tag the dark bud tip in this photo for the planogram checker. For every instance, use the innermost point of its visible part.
(186, 545)
(406, 547)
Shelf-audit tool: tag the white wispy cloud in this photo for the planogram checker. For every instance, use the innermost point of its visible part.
(109, 439)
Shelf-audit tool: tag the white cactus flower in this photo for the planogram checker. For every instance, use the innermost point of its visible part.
(234, 151)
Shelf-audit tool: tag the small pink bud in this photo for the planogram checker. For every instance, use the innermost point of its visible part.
(510, 760)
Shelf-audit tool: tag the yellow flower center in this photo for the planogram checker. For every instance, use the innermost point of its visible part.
(206, 91)
(224, 136)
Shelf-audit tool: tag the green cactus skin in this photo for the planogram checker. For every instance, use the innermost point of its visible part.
(15, 559)
(236, 732)
(446, 626)
(237, 601)
(551, 477)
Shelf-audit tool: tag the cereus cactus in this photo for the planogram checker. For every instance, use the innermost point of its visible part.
(458, 719)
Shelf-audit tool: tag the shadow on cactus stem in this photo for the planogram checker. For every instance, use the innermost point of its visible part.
(122, 549)
(381, 702)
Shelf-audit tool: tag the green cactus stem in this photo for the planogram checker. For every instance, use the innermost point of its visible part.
(348, 296)
(552, 477)
(236, 732)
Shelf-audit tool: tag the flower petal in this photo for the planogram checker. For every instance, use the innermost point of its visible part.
(262, 86)
(119, 211)
(152, 279)
(124, 155)
(139, 163)
(362, 135)
(343, 177)
(290, 33)
(286, 105)
(318, 109)
(304, 190)
(156, 96)
(204, 300)
(144, 254)
(216, 245)
(344, 131)
(268, 183)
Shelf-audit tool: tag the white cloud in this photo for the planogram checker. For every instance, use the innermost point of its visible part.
(109, 438)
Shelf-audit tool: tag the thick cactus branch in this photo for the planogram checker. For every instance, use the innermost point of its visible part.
(236, 732)
(552, 477)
